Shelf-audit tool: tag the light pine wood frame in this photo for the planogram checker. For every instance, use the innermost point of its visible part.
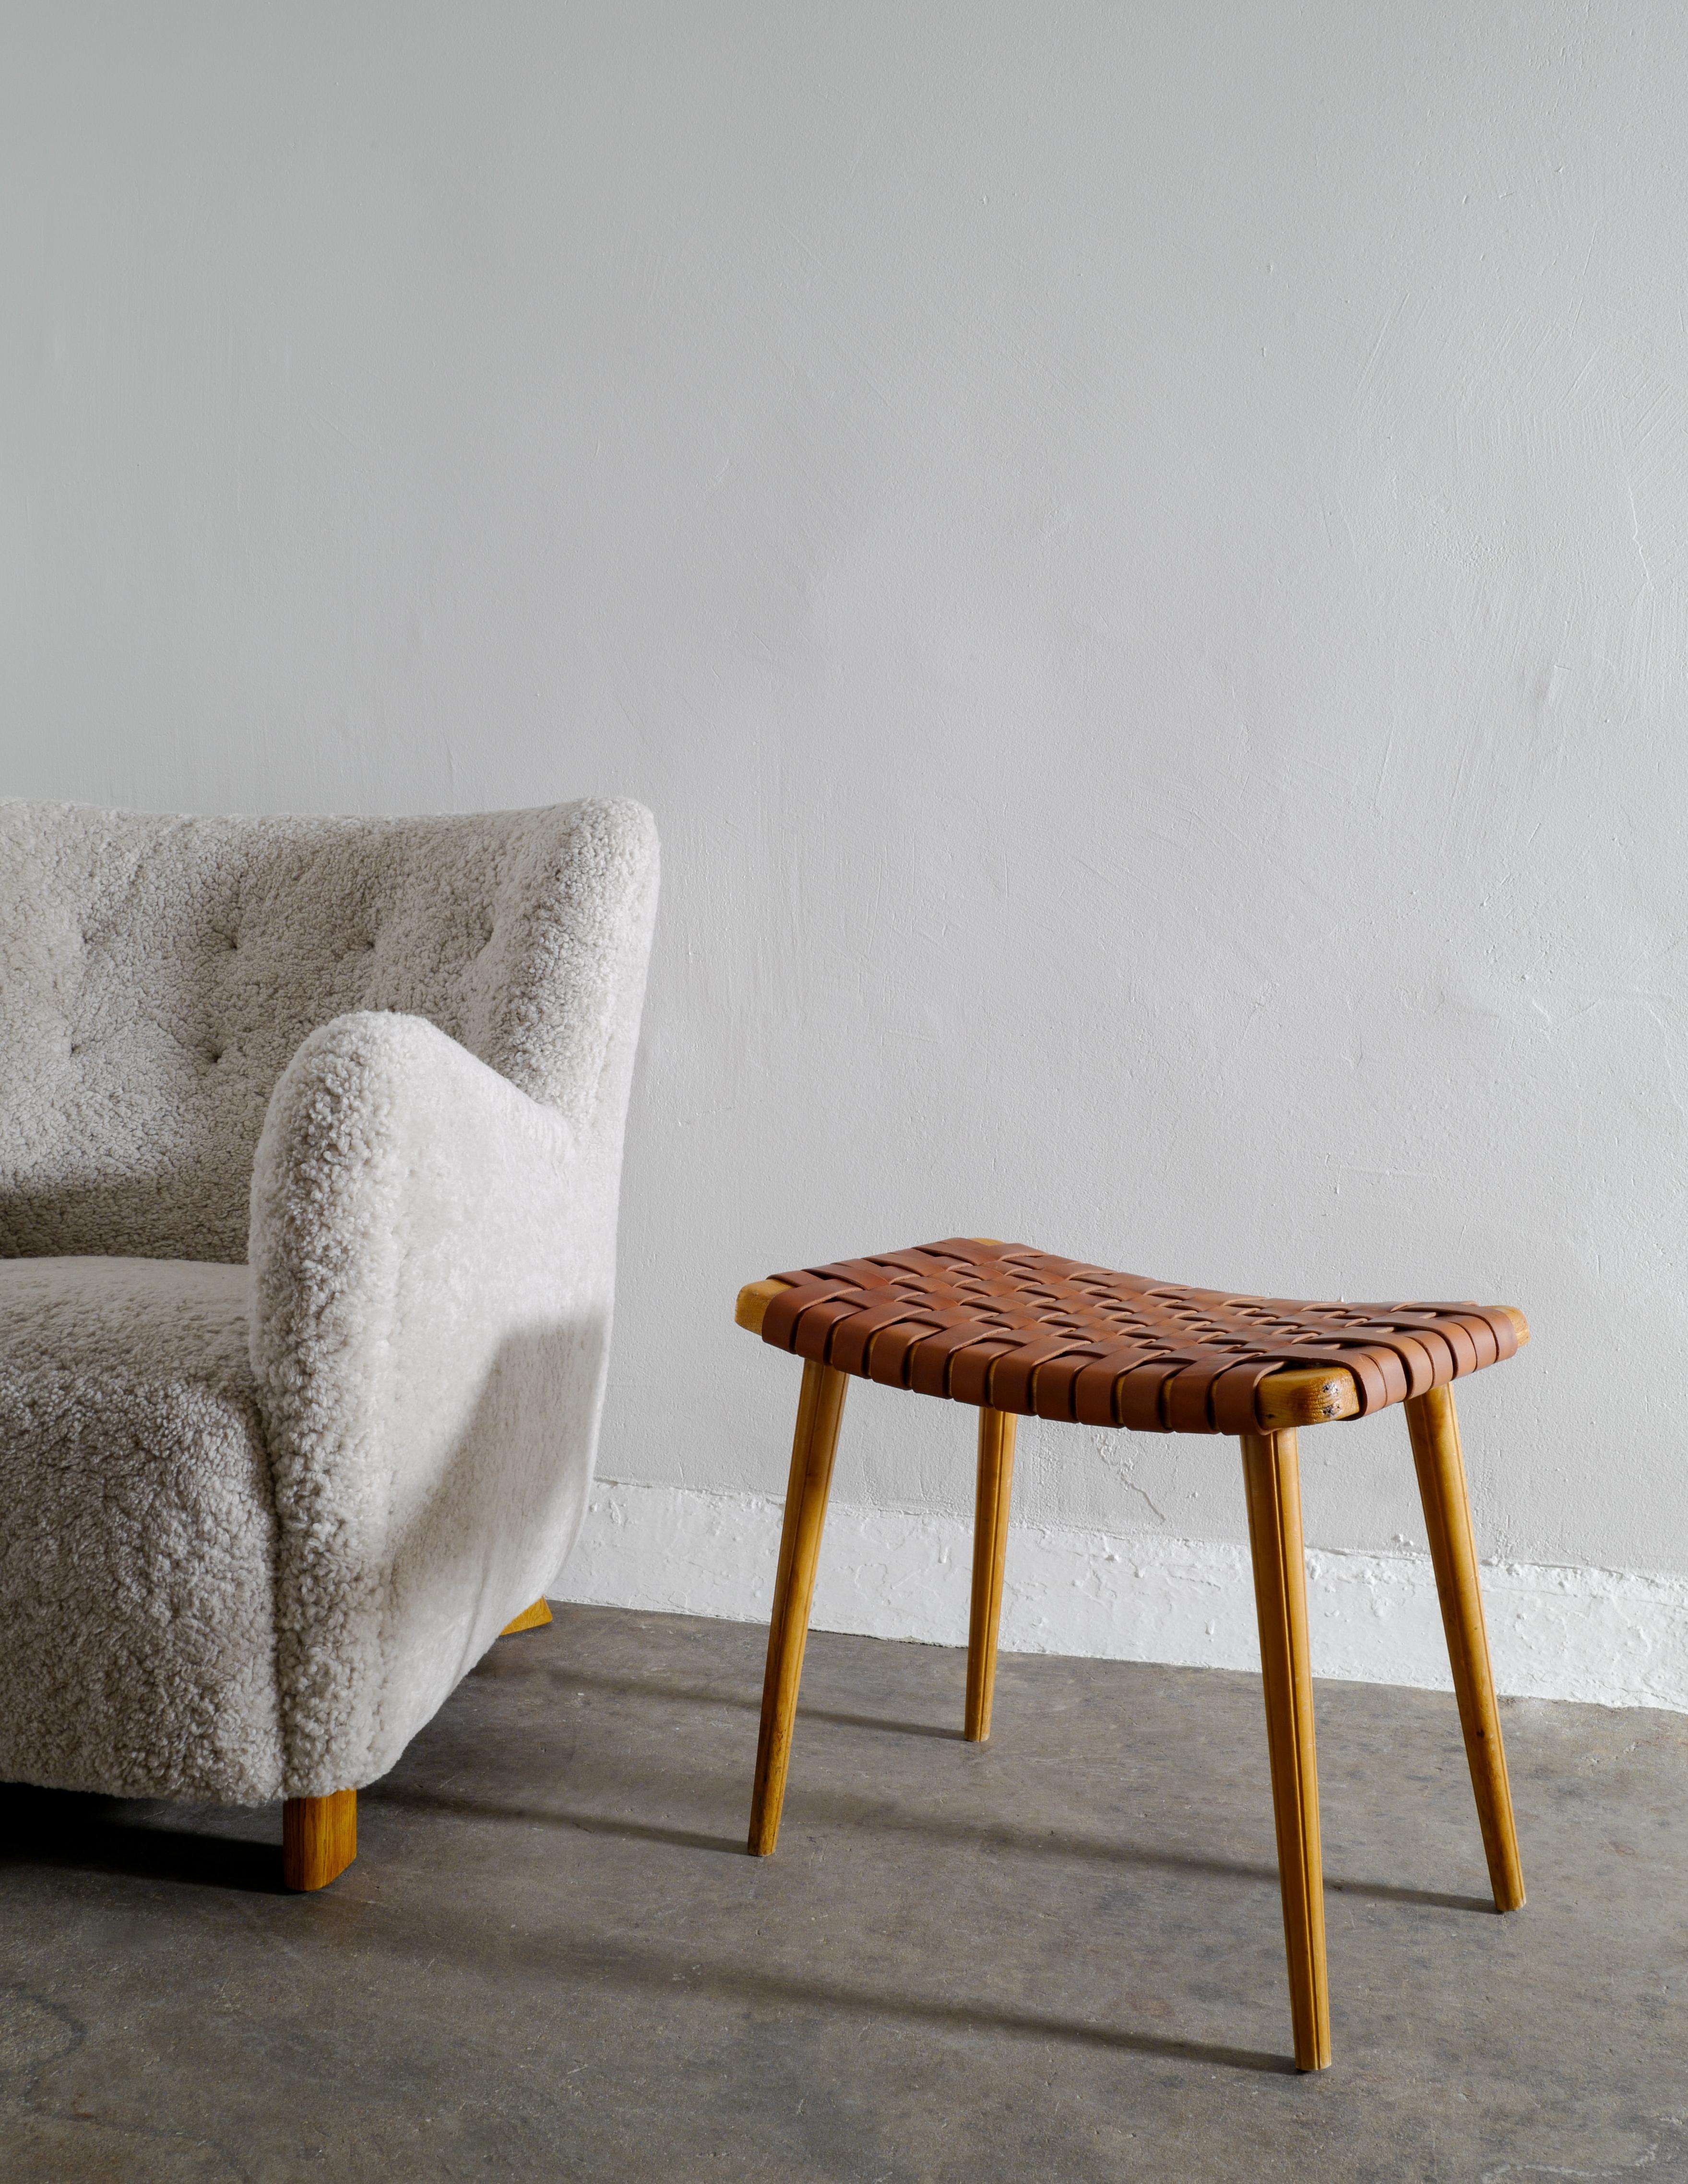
(530, 1619)
(1440, 1462)
(1271, 1483)
(319, 1839)
(990, 1558)
(820, 1412)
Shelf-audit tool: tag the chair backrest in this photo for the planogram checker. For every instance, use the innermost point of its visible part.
(157, 974)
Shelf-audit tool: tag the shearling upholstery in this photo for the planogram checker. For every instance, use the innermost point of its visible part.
(138, 1533)
(255, 1525)
(156, 975)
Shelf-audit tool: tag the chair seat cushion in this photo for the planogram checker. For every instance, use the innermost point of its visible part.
(1019, 1329)
(137, 1534)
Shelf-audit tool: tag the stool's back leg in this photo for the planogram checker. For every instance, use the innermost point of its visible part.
(990, 1552)
(1433, 1424)
(1272, 1475)
(820, 1407)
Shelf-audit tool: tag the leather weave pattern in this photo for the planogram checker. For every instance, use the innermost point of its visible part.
(1021, 1330)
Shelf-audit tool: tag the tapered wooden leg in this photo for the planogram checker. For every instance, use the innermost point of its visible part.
(1434, 1424)
(820, 1408)
(319, 1838)
(1272, 1475)
(530, 1619)
(990, 1552)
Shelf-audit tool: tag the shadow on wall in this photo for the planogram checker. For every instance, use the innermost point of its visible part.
(480, 1469)
(520, 1452)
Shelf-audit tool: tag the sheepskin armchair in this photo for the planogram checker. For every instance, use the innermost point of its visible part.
(311, 1135)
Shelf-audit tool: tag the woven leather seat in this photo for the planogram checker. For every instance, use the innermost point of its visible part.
(1024, 1331)
(1017, 1332)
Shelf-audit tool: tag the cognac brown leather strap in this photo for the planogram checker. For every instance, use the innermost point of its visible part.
(1021, 1330)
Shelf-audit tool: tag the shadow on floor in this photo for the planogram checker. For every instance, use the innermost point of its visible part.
(80, 1831)
(67, 1829)
(1428, 1899)
(863, 1812)
(742, 1702)
(617, 1963)
(874, 1721)
(997, 1839)
(410, 1796)
(963, 2016)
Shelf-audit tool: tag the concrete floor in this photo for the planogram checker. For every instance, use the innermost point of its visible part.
(1055, 1957)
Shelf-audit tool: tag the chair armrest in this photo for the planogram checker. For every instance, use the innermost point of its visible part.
(432, 1273)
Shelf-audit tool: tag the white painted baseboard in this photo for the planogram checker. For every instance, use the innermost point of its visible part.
(1618, 1637)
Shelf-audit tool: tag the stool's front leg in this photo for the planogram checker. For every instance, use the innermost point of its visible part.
(990, 1552)
(820, 1409)
(1272, 1475)
(1433, 1424)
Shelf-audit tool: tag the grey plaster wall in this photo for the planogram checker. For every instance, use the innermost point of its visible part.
(1137, 552)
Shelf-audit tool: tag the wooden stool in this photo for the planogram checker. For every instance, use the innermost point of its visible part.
(1016, 1332)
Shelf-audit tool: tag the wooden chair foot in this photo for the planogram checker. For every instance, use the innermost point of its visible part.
(990, 1552)
(820, 1411)
(1272, 1475)
(530, 1619)
(1433, 1424)
(319, 1839)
